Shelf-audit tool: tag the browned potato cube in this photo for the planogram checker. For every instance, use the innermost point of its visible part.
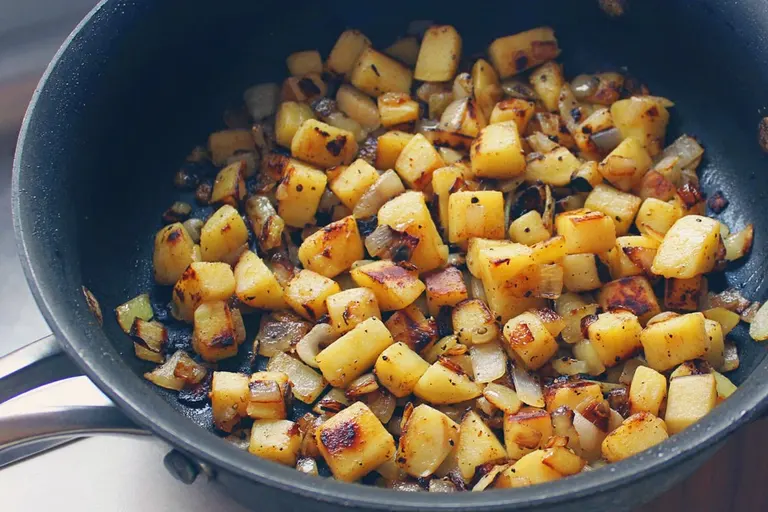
(410, 326)
(354, 353)
(674, 341)
(657, 216)
(497, 152)
(399, 368)
(229, 396)
(345, 52)
(529, 339)
(477, 214)
(289, 118)
(445, 382)
(428, 436)
(547, 80)
(625, 165)
(690, 399)
(216, 335)
(580, 273)
(352, 181)
(350, 307)
(477, 445)
(633, 294)
(201, 282)
(439, 54)
(486, 86)
(417, 161)
(619, 206)
(647, 391)
(172, 254)
(554, 168)
(514, 54)
(307, 291)
(517, 110)
(636, 434)
(571, 394)
(354, 443)
(642, 118)
(269, 396)
(303, 89)
(683, 294)
(615, 336)
(375, 73)
(223, 235)
(299, 193)
(529, 229)
(226, 143)
(389, 146)
(332, 249)
(322, 144)
(229, 186)
(303, 63)
(445, 287)
(526, 431)
(256, 285)
(397, 108)
(395, 285)
(474, 323)
(688, 249)
(406, 50)
(276, 440)
(586, 231)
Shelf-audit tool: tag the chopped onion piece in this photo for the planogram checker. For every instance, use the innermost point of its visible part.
(731, 356)
(164, 375)
(739, 244)
(587, 353)
(562, 423)
(748, 315)
(386, 187)
(758, 330)
(550, 284)
(142, 352)
(527, 387)
(489, 361)
(306, 383)
(307, 465)
(279, 335)
(590, 437)
(391, 470)
(310, 345)
(502, 398)
(681, 153)
(441, 485)
(362, 385)
(476, 289)
(730, 299)
(262, 100)
(333, 401)
(382, 404)
(390, 244)
(568, 366)
(453, 115)
(488, 478)
(606, 140)
(614, 421)
(628, 372)
(265, 392)
(725, 387)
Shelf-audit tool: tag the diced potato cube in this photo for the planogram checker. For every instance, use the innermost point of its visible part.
(636, 434)
(229, 396)
(290, 116)
(554, 168)
(428, 436)
(417, 161)
(444, 180)
(302, 63)
(690, 399)
(352, 182)
(322, 144)
(526, 430)
(514, 54)
(506, 305)
(358, 106)
(354, 353)
(563, 460)
(226, 143)
(549, 251)
(399, 368)
(408, 213)
(727, 319)
(350, 307)
(410, 326)
(397, 108)
(345, 52)
(633, 294)
(307, 291)
(405, 49)
(527, 471)
(619, 206)
(201, 282)
(439, 54)
(269, 396)
(475, 214)
(497, 152)
(354, 442)
(500, 262)
(688, 249)
(486, 87)
(276, 440)
(215, 336)
(632, 256)
(528, 338)
(657, 216)
(389, 146)
(547, 80)
(229, 185)
(615, 336)
(580, 273)
(305, 89)
(647, 391)
(477, 259)
(445, 287)
(256, 285)
(586, 231)
(306, 383)
(474, 323)
(477, 445)
(224, 233)
(529, 229)
(625, 166)
(395, 286)
(332, 249)
(513, 109)
(172, 254)
(642, 118)
(445, 382)
(674, 341)
(375, 73)
(299, 193)
(683, 294)
(571, 394)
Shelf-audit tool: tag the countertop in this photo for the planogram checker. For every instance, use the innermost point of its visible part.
(123, 474)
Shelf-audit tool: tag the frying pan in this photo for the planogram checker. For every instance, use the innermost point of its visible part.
(139, 83)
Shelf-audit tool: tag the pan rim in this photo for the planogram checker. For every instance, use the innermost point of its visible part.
(116, 380)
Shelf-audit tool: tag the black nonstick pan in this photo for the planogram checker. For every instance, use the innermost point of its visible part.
(139, 83)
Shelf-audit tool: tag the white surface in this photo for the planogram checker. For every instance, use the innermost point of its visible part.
(105, 474)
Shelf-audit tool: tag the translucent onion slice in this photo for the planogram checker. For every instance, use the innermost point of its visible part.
(590, 437)
(310, 345)
(489, 361)
(502, 398)
(758, 330)
(386, 187)
(527, 387)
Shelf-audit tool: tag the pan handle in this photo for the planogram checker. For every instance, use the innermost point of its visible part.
(45, 401)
